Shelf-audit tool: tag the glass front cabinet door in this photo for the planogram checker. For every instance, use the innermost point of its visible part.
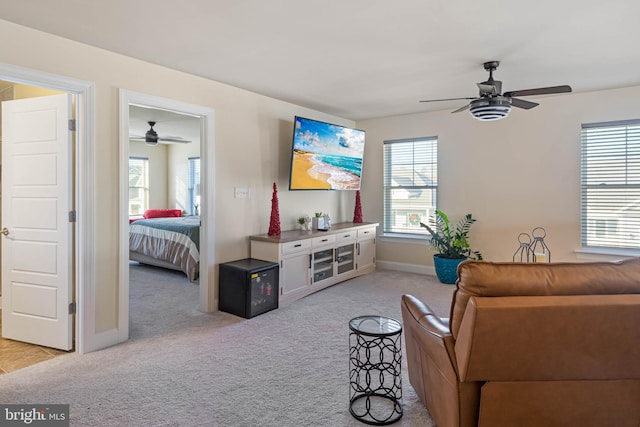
(322, 265)
(345, 260)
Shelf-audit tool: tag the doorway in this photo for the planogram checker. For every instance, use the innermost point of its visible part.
(164, 179)
(131, 104)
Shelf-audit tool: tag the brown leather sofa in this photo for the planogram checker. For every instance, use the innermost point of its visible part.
(530, 345)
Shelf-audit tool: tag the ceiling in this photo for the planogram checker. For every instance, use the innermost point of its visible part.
(361, 59)
(169, 124)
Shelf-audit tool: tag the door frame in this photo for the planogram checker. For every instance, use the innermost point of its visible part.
(208, 302)
(86, 339)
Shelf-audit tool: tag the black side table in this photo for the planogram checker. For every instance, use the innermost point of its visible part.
(374, 375)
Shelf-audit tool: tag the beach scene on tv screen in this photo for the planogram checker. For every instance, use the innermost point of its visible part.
(326, 156)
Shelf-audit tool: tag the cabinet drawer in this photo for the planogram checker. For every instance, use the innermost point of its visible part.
(295, 246)
(367, 233)
(346, 236)
(323, 240)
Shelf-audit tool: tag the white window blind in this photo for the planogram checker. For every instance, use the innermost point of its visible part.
(611, 185)
(138, 185)
(410, 184)
(194, 186)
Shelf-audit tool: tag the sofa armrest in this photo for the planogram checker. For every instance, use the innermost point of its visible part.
(430, 333)
(425, 316)
(433, 368)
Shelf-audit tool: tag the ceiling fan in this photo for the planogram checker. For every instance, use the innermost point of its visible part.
(491, 104)
(152, 138)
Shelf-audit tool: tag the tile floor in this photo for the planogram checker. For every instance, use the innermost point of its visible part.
(16, 355)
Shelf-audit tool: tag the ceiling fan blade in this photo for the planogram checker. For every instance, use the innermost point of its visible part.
(448, 99)
(161, 139)
(466, 107)
(539, 91)
(175, 139)
(521, 103)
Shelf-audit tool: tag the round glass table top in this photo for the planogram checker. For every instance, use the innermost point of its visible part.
(375, 325)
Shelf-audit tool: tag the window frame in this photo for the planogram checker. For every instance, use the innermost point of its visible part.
(389, 227)
(609, 237)
(144, 187)
(194, 187)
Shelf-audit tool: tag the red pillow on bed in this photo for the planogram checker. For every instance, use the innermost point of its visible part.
(162, 213)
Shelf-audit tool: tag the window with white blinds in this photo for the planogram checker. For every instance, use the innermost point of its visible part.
(138, 185)
(194, 186)
(410, 184)
(611, 185)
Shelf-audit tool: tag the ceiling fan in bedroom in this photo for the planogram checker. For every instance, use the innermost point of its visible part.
(151, 137)
(492, 104)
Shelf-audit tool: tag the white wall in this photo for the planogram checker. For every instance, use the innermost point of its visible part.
(168, 172)
(252, 148)
(512, 175)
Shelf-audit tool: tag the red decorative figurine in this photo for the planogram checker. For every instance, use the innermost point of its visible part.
(274, 223)
(357, 213)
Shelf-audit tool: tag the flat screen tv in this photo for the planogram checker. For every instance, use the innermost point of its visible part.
(325, 156)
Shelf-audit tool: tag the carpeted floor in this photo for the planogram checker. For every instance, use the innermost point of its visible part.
(181, 367)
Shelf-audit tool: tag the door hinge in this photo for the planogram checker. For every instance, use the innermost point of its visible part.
(72, 125)
(72, 216)
(72, 308)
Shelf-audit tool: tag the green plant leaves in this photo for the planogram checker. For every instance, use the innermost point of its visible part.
(451, 242)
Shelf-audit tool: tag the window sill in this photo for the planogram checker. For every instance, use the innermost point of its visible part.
(606, 253)
(412, 239)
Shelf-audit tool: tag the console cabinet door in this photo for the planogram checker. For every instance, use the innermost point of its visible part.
(295, 272)
(345, 258)
(366, 254)
(322, 264)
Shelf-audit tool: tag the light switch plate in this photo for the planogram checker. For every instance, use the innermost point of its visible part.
(241, 192)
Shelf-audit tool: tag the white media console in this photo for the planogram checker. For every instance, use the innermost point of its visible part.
(312, 260)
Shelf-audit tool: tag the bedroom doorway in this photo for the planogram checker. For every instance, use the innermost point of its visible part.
(168, 147)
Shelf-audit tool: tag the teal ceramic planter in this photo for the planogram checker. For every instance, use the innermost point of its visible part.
(447, 269)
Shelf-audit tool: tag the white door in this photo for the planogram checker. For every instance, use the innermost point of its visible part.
(36, 232)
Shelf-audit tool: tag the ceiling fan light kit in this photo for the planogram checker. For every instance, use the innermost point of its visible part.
(491, 104)
(490, 109)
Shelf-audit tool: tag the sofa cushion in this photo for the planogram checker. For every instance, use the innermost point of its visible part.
(493, 279)
(550, 338)
(560, 403)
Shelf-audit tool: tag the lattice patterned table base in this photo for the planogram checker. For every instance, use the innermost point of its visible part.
(375, 369)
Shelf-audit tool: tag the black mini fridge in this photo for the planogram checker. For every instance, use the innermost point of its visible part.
(248, 287)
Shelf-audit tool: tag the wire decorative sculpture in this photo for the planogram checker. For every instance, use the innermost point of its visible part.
(524, 252)
(541, 252)
(532, 250)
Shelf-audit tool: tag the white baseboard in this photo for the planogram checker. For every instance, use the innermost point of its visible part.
(409, 268)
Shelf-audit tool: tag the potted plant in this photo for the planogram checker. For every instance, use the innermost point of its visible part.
(451, 244)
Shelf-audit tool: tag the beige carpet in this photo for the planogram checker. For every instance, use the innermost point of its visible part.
(287, 367)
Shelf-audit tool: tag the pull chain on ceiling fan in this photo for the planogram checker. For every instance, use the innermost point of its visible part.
(491, 104)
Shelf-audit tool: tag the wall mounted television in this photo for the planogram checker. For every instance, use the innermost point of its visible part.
(325, 156)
